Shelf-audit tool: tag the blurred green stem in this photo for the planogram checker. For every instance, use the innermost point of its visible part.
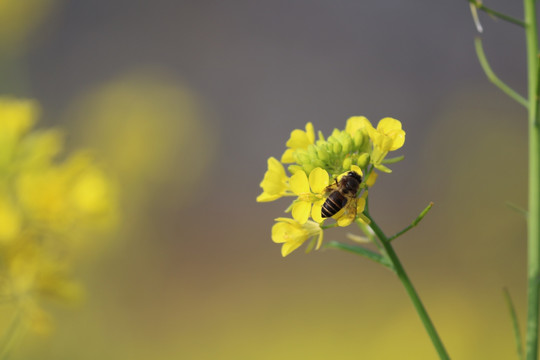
(402, 275)
(533, 223)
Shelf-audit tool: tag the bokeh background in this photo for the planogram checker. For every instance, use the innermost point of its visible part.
(183, 102)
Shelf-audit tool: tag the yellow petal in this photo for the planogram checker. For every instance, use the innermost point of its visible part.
(299, 183)
(399, 140)
(289, 247)
(345, 220)
(287, 220)
(371, 179)
(265, 197)
(318, 180)
(301, 211)
(280, 232)
(275, 166)
(388, 125)
(357, 170)
(356, 123)
(287, 156)
(298, 140)
(316, 211)
(310, 132)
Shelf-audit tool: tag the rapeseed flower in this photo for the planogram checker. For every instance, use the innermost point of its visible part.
(299, 139)
(388, 136)
(293, 234)
(275, 183)
(316, 166)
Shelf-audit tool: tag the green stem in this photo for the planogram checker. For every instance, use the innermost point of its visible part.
(494, 78)
(500, 15)
(402, 275)
(533, 223)
(413, 224)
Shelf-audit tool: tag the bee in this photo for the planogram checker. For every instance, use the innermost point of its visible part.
(341, 194)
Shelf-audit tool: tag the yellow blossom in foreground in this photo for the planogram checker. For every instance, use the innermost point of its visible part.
(292, 234)
(310, 194)
(275, 182)
(299, 140)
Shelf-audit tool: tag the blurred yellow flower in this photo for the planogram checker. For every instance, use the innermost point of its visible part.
(299, 140)
(275, 182)
(45, 206)
(293, 234)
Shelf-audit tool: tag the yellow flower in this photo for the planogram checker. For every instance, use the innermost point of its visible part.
(10, 220)
(293, 234)
(47, 207)
(16, 117)
(355, 123)
(299, 140)
(387, 137)
(310, 194)
(275, 183)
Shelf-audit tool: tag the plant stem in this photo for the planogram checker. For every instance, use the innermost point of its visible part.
(533, 223)
(500, 15)
(494, 78)
(402, 275)
(413, 224)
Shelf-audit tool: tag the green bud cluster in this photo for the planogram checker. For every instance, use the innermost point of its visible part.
(335, 154)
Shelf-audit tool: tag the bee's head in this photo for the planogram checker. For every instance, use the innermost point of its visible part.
(355, 175)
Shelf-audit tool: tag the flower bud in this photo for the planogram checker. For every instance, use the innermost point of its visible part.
(294, 168)
(363, 160)
(347, 144)
(359, 138)
(323, 153)
(347, 163)
(336, 147)
(301, 156)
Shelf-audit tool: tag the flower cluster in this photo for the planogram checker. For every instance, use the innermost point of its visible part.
(48, 207)
(317, 166)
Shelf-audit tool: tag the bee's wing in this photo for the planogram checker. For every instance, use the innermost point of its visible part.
(333, 186)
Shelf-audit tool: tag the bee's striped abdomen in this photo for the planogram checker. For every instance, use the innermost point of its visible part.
(335, 202)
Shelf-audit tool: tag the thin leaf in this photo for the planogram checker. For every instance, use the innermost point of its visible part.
(515, 323)
(359, 250)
